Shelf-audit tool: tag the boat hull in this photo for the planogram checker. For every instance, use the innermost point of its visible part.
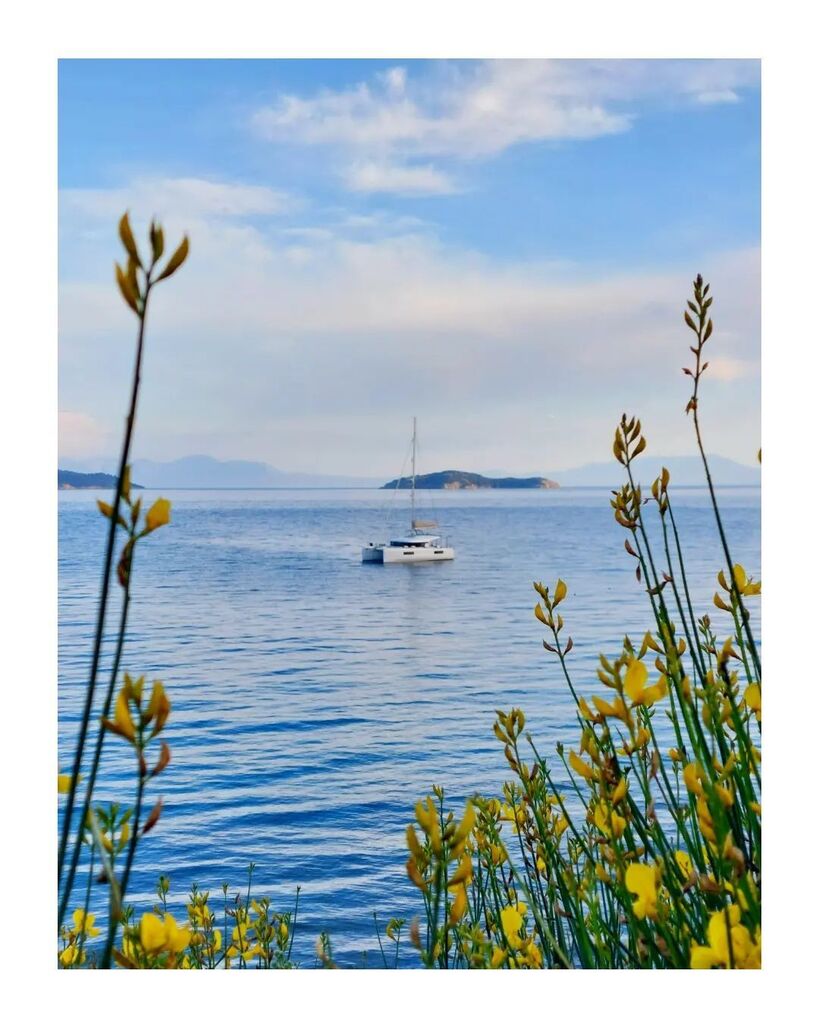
(385, 554)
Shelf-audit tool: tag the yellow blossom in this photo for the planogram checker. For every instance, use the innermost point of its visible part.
(743, 951)
(706, 822)
(579, 766)
(463, 873)
(159, 514)
(684, 863)
(609, 821)
(498, 957)
(753, 700)
(64, 783)
(459, 905)
(635, 685)
(84, 923)
(151, 933)
(512, 922)
(159, 935)
(122, 723)
(692, 775)
(71, 955)
(620, 790)
(640, 740)
(641, 880)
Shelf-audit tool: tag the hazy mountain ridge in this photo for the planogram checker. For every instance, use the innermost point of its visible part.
(204, 471)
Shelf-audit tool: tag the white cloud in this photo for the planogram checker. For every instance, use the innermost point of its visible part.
(81, 435)
(724, 368)
(474, 114)
(401, 180)
(478, 110)
(270, 332)
(185, 198)
(717, 96)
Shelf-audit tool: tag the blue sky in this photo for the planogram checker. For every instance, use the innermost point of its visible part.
(503, 248)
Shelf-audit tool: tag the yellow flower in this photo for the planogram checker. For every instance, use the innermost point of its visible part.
(512, 922)
(122, 723)
(463, 873)
(176, 938)
(609, 821)
(692, 776)
(427, 815)
(84, 923)
(620, 790)
(159, 707)
(64, 783)
(635, 685)
(640, 740)
(684, 863)
(743, 949)
(579, 765)
(498, 957)
(615, 710)
(753, 700)
(705, 820)
(532, 955)
(69, 955)
(459, 905)
(641, 880)
(159, 514)
(151, 933)
(159, 935)
(744, 584)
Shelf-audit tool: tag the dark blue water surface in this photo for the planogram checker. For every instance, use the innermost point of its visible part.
(315, 699)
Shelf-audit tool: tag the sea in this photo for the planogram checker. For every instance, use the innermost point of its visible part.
(315, 699)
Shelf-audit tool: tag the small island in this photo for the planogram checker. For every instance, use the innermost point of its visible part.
(68, 480)
(458, 480)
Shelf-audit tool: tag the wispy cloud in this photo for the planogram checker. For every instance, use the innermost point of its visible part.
(717, 96)
(186, 198)
(273, 326)
(407, 180)
(477, 111)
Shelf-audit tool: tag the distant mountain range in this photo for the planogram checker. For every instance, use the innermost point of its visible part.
(70, 481)
(203, 471)
(458, 480)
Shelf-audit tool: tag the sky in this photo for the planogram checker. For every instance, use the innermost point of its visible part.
(502, 248)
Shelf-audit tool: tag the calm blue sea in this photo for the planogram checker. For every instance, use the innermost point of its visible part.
(315, 699)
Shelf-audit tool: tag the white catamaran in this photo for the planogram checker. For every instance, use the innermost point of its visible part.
(418, 545)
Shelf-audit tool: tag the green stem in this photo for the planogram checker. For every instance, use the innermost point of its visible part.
(106, 580)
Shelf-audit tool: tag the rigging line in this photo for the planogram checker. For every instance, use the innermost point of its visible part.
(429, 494)
(388, 504)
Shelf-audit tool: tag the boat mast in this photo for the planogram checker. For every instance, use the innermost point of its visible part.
(412, 497)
